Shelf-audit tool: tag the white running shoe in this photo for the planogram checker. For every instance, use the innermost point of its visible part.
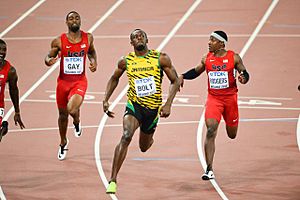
(208, 175)
(77, 130)
(62, 151)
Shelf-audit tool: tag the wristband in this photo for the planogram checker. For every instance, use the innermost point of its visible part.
(246, 75)
(191, 74)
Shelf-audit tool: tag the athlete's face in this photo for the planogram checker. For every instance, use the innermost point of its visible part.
(139, 40)
(2, 52)
(214, 44)
(73, 22)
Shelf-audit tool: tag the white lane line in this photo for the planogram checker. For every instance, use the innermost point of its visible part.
(22, 17)
(2, 196)
(201, 122)
(30, 130)
(258, 28)
(120, 96)
(298, 132)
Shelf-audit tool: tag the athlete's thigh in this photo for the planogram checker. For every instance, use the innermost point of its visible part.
(213, 108)
(62, 92)
(150, 118)
(231, 112)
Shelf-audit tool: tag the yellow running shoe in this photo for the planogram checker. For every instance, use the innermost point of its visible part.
(112, 188)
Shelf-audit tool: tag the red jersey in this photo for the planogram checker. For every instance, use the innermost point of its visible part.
(221, 74)
(73, 58)
(3, 78)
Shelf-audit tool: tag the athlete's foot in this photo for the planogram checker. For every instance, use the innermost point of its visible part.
(111, 188)
(4, 129)
(77, 130)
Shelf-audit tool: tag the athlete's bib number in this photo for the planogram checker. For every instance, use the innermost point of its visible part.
(218, 79)
(145, 86)
(73, 65)
(1, 112)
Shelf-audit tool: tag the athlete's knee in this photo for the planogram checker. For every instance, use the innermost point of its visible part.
(126, 138)
(63, 116)
(145, 148)
(231, 131)
(211, 132)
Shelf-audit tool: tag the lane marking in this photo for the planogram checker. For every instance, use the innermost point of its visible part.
(201, 122)
(123, 92)
(2, 196)
(298, 132)
(173, 105)
(288, 36)
(160, 123)
(28, 12)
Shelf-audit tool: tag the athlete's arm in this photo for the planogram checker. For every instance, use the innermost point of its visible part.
(14, 95)
(112, 84)
(194, 72)
(239, 66)
(51, 57)
(168, 68)
(92, 55)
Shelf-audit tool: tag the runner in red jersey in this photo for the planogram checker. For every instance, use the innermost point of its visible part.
(221, 66)
(8, 74)
(72, 47)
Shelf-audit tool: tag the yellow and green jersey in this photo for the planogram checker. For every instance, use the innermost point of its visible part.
(145, 78)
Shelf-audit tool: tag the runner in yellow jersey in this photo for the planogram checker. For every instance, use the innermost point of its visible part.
(145, 69)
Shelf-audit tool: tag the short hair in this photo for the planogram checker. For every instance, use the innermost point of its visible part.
(2, 42)
(71, 12)
(137, 29)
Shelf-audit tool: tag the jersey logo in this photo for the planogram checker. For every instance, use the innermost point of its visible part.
(1, 76)
(225, 61)
(68, 47)
(83, 46)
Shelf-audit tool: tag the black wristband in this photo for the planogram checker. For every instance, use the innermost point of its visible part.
(191, 74)
(246, 75)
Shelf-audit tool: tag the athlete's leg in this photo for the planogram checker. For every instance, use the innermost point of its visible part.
(231, 115)
(231, 131)
(130, 124)
(62, 125)
(73, 107)
(209, 144)
(145, 141)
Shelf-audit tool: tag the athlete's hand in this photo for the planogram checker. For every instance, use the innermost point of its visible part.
(50, 60)
(18, 120)
(105, 109)
(165, 111)
(93, 66)
(242, 79)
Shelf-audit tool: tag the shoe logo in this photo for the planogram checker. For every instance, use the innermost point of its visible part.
(68, 47)
(83, 46)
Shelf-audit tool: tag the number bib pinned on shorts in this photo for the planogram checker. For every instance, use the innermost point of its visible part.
(73, 65)
(145, 86)
(218, 79)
